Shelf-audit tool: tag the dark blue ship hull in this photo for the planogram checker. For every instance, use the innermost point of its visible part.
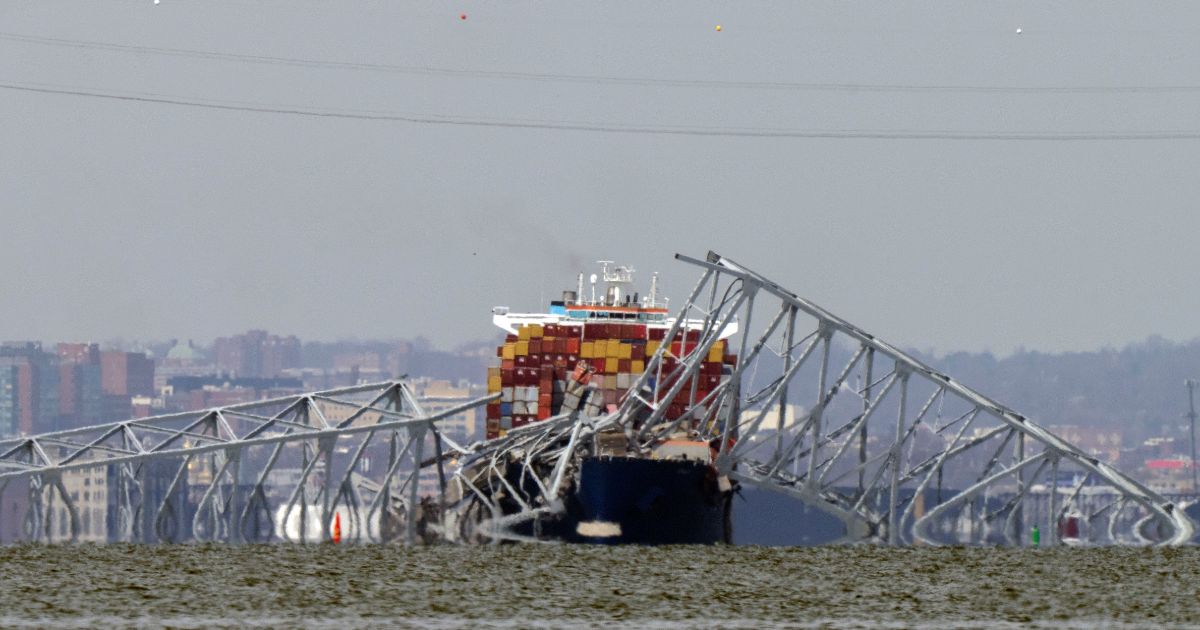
(626, 500)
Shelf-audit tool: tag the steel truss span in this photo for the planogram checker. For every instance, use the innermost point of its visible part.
(286, 469)
(815, 408)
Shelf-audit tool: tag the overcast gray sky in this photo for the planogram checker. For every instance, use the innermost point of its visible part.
(152, 221)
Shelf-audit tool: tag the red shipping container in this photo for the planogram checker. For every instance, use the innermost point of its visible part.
(543, 412)
(624, 365)
(592, 330)
(638, 351)
(639, 331)
(560, 346)
(508, 364)
(731, 360)
(500, 351)
(535, 346)
(522, 361)
(507, 378)
(657, 334)
(510, 339)
(572, 346)
(493, 411)
(581, 375)
(598, 364)
(546, 372)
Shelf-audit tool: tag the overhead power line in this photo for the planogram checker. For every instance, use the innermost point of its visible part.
(566, 125)
(595, 79)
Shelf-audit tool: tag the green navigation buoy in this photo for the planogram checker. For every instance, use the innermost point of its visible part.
(1036, 536)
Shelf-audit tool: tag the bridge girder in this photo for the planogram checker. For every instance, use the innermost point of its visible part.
(892, 448)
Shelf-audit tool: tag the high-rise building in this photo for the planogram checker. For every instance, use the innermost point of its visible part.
(80, 394)
(36, 388)
(10, 407)
(126, 373)
(256, 353)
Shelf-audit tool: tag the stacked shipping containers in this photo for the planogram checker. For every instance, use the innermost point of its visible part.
(547, 370)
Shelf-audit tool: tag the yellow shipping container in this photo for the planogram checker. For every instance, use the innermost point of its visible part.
(522, 348)
(587, 350)
(493, 372)
(626, 351)
(614, 349)
(537, 330)
(523, 332)
(493, 383)
(600, 349)
(638, 367)
(610, 367)
(652, 347)
(509, 352)
(716, 353)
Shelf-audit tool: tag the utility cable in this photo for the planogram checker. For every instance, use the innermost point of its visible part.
(600, 127)
(597, 79)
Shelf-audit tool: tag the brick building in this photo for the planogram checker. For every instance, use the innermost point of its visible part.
(126, 373)
(32, 376)
(256, 354)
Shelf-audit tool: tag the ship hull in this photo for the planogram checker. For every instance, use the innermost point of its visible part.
(626, 500)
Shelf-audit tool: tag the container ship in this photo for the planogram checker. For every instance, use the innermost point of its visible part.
(580, 357)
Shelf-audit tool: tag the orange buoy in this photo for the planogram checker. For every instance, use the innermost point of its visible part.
(718, 28)
(462, 16)
(337, 528)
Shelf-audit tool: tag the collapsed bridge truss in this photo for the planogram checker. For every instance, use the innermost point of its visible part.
(815, 409)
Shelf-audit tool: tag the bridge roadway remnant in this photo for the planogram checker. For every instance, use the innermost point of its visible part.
(815, 409)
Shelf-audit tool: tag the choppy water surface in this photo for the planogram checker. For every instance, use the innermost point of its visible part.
(576, 586)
